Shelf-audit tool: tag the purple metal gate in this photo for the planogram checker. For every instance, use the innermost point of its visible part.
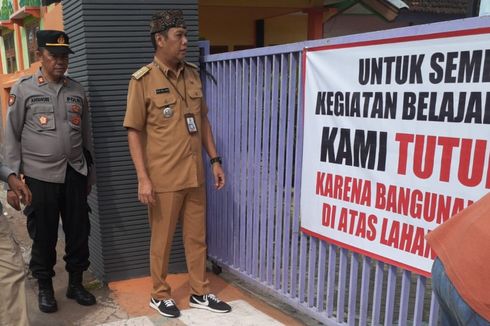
(253, 224)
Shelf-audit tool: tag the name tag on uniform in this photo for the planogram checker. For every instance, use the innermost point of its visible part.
(162, 90)
(190, 122)
(39, 99)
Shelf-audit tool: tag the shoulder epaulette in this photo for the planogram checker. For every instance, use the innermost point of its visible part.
(24, 78)
(73, 80)
(141, 72)
(191, 65)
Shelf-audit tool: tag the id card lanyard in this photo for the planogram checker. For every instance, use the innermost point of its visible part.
(189, 118)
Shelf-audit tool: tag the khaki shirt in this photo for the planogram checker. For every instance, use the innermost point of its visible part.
(173, 155)
(48, 125)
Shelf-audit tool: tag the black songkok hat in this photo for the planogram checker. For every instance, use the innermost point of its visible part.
(164, 20)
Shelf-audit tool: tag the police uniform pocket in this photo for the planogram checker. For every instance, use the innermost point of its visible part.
(43, 116)
(195, 98)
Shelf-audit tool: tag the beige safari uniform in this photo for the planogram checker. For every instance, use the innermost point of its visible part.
(13, 307)
(157, 103)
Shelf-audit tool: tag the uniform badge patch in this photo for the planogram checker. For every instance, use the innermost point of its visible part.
(75, 108)
(75, 120)
(168, 112)
(43, 120)
(40, 80)
(12, 98)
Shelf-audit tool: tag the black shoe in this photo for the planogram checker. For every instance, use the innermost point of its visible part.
(47, 302)
(166, 308)
(76, 290)
(82, 296)
(209, 302)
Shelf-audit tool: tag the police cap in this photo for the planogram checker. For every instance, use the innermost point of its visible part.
(56, 42)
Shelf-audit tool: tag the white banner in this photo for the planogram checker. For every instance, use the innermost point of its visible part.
(396, 141)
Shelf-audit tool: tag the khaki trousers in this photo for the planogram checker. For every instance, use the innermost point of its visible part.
(13, 305)
(190, 206)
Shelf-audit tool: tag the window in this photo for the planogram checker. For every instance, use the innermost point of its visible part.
(9, 42)
(31, 30)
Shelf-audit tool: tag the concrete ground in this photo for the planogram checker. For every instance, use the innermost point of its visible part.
(126, 302)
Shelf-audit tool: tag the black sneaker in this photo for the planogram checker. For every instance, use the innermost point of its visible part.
(209, 302)
(165, 308)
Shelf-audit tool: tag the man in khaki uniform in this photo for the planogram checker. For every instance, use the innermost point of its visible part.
(167, 124)
(13, 307)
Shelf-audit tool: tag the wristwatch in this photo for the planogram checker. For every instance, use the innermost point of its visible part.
(216, 159)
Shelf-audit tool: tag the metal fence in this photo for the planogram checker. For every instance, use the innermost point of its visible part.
(253, 224)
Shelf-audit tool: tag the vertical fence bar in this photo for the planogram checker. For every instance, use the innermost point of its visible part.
(229, 160)
(280, 172)
(404, 298)
(250, 163)
(212, 194)
(257, 161)
(302, 268)
(352, 304)
(390, 295)
(311, 271)
(295, 238)
(271, 227)
(366, 277)
(322, 262)
(434, 310)
(265, 164)
(290, 108)
(212, 218)
(419, 300)
(218, 196)
(378, 288)
(236, 160)
(332, 259)
(243, 174)
(210, 208)
(341, 285)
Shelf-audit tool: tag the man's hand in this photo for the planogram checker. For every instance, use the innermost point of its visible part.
(19, 192)
(13, 200)
(145, 192)
(219, 176)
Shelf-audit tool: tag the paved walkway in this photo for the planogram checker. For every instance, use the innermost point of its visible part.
(133, 295)
(243, 314)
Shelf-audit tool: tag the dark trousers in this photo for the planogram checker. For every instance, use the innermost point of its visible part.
(49, 202)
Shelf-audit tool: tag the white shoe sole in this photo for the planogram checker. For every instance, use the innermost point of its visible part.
(152, 305)
(199, 306)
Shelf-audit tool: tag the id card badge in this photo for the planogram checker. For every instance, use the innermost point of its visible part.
(190, 122)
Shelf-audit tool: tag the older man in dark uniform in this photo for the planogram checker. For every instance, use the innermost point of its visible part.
(48, 139)
(167, 124)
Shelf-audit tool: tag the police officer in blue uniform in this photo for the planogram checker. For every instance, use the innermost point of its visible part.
(48, 140)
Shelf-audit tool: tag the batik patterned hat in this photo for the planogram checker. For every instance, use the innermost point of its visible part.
(166, 19)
